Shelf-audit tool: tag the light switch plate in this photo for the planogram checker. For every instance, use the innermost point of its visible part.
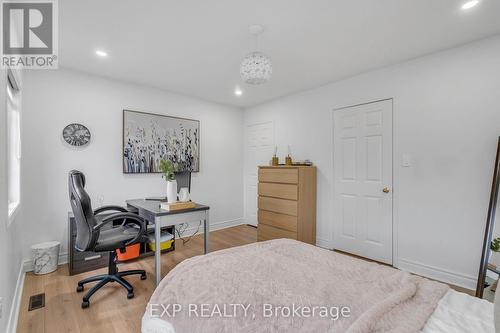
(406, 160)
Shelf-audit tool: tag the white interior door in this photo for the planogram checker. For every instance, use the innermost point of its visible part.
(259, 150)
(363, 180)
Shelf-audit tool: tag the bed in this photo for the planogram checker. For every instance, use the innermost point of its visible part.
(288, 286)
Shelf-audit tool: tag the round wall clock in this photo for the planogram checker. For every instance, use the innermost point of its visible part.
(76, 135)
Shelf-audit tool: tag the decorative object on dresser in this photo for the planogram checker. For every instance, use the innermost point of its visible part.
(288, 158)
(302, 163)
(148, 138)
(287, 203)
(275, 160)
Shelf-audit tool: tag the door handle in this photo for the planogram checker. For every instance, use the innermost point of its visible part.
(386, 190)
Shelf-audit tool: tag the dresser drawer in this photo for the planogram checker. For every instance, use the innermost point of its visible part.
(281, 175)
(282, 206)
(277, 220)
(284, 191)
(265, 232)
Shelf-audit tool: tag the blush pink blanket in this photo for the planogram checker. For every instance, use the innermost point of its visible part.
(256, 288)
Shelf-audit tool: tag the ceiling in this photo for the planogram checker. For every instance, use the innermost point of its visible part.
(195, 47)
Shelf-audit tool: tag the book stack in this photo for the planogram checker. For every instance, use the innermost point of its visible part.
(177, 205)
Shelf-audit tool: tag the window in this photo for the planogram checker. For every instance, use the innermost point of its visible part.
(13, 144)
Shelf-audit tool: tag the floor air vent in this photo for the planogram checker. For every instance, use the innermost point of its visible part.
(37, 302)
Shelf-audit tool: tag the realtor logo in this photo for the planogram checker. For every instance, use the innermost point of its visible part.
(29, 34)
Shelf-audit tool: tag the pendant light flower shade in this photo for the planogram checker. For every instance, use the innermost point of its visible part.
(256, 67)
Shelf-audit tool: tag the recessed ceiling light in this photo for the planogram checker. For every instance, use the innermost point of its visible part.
(238, 91)
(101, 53)
(470, 4)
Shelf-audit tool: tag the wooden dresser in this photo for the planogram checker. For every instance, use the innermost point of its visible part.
(287, 203)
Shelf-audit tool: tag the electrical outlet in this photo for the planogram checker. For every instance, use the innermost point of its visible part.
(1, 307)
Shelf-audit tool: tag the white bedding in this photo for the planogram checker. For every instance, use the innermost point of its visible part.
(287, 272)
(455, 313)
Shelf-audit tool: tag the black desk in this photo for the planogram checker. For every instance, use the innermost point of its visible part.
(150, 210)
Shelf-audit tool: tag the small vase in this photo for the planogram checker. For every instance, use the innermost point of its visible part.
(172, 191)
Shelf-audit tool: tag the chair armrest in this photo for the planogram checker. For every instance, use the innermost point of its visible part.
(128, 218)
(110, 208)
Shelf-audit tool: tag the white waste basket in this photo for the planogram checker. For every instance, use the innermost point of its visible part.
(45, 257)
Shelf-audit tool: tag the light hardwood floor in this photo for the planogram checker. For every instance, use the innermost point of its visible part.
(110, 311)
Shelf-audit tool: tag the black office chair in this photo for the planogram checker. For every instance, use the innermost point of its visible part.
(90, 237)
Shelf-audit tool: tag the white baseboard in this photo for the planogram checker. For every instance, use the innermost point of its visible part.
(16, 302)
(324, 243)
(439, 274)
(213, 226)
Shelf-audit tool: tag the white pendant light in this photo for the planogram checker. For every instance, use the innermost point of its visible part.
(256, 67)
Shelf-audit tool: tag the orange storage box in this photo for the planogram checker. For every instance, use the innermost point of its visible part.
(131, 252)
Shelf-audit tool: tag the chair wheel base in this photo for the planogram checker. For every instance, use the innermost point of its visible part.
(104, 279)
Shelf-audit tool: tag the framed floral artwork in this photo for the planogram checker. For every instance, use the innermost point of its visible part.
(148, 138)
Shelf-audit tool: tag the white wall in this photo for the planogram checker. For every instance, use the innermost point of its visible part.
(447, 116)
(53, 99)
(10, 253)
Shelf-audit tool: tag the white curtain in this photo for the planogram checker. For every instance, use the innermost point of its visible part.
(14, 147)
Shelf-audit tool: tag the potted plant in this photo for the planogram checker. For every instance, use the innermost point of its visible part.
(168, 169)
(495, 248)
